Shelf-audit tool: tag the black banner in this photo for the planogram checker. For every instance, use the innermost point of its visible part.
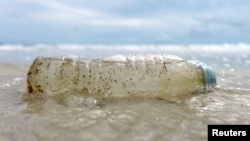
(226, 132)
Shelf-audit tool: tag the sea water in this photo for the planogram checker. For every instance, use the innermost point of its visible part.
(74, 116)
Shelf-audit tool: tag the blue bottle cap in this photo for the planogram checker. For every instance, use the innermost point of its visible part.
(208, 72)
(209, 75)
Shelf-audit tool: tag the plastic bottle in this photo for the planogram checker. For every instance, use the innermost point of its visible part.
(132, 75)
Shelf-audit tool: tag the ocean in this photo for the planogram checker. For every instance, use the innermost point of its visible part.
(73, 116)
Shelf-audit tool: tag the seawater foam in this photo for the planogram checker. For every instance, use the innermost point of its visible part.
(149, 75)
(229, 48)
(236, 55)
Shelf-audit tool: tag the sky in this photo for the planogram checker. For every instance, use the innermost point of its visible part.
(124, 21)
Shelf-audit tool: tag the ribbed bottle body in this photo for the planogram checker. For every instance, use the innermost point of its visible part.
(132, 75)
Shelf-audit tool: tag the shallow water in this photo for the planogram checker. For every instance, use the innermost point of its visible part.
(73, 116)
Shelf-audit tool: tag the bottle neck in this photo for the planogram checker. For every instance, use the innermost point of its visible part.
(208, 75)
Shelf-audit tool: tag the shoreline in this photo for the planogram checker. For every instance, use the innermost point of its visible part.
(10, 69)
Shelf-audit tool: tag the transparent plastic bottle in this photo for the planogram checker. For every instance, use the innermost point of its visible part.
(131, 75)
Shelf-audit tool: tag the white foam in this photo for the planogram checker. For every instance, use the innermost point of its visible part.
(222, 48)
(236, 54)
